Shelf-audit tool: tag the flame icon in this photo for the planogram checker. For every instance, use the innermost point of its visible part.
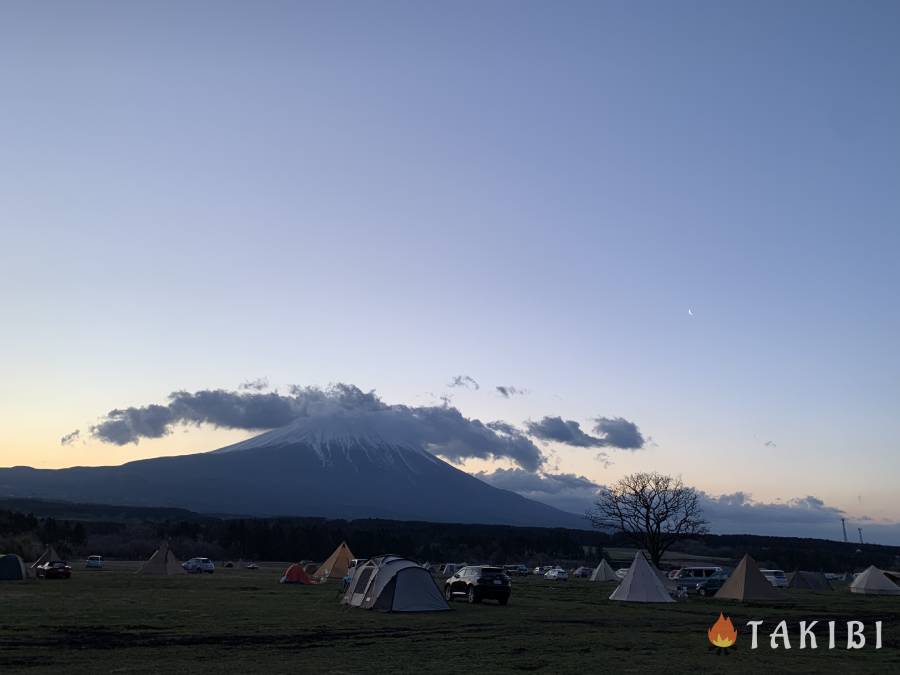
(722, 633)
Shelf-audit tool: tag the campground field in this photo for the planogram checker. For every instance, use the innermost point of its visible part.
(240, 621)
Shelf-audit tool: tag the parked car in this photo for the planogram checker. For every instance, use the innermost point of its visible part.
(582, 572)
(54, 569)
(477, 583)
(710, 586)
(250, 566)
(689, 577)
(776, 578)
(516, 570)
(198, 565)
(94, 562)
(622, 571)
(557, 574)
(541, 570)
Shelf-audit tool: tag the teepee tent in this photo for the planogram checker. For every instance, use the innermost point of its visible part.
(49, 555)
(604, 572)
(162, 562)
(12, 568)
(337, 564)
(295, 574)
(641, 584)
(390, 583)
(874, 582)
(808, 581)
(747, 584)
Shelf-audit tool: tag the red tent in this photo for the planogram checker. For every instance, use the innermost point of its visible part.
(295, 575)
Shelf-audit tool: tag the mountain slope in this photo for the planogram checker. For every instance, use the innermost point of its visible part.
(333, 466)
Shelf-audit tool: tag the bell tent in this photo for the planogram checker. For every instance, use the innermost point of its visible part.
(874, 582)
(337, 564)
(604, 572)
(747, 584)
(12, 568)
(162, 562)
(808, 581)
(390, 583)
(641, 584)
(49, 555)
(295, 574)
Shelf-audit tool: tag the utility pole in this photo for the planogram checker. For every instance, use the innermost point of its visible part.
(844, 525)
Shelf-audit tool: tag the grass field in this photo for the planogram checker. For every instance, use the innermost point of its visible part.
(239, 621)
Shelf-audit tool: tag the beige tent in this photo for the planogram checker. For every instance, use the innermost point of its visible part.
(162, 562)
(604, 572)
(48, 555)
(641, 584)
(874, 582)
(337, 565)
(747, 584)
(808, 581)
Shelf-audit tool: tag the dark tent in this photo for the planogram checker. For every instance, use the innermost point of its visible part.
(12, 568)
(747, 584)
(394, 584)
(808, 581)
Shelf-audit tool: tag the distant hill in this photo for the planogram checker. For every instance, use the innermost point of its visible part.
(334, 467)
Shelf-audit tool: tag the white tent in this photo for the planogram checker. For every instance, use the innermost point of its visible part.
(641, 584)
(874, 582)
(393, 584)
(604, 572)
(162, 562)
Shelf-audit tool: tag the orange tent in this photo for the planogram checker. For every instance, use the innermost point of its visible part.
(295, 575)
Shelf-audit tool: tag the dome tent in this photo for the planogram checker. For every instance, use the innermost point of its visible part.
(295, 574)
(390, 583)
(12, 568)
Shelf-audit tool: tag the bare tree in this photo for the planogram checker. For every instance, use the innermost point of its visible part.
(651, 509)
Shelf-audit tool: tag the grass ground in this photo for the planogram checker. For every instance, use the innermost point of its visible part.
(242, 621)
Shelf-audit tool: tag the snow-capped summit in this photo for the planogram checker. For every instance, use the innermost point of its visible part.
(341, 428)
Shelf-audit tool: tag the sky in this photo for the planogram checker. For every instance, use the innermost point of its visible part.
(681, 214)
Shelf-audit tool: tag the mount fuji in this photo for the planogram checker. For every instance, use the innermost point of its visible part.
(335, 466)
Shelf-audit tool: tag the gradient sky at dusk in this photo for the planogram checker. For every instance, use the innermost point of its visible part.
(530, 193)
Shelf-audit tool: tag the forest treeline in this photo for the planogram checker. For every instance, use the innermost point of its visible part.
(79, 530)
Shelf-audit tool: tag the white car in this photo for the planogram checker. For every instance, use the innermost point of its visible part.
(558, 574)
(94, 562)
(776, 578)
(198, 565)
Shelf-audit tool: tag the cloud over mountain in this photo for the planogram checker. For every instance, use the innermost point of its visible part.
(442, 430)
(613, 432)
(566, 491)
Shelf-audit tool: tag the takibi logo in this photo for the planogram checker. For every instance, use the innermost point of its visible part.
(722, 633)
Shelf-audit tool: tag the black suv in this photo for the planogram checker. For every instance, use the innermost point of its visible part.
(478, 583)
